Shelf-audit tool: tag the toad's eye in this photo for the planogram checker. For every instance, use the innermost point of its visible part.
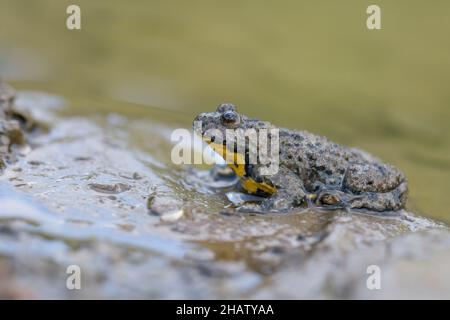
(230, 117)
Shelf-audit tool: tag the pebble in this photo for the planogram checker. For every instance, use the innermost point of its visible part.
(167, 208)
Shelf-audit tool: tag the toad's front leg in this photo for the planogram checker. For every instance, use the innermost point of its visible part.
(290, 194)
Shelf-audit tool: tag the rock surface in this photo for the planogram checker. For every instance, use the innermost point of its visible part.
(80, 197)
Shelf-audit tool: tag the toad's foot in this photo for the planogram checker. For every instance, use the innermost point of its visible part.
(371, 201)
(388, 201)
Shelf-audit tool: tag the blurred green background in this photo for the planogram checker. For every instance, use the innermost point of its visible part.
(302, 64)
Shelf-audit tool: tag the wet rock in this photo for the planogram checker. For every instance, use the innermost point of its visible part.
(338, 265)
(54, 218)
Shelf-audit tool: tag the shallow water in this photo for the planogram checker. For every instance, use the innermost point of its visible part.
(135, 73)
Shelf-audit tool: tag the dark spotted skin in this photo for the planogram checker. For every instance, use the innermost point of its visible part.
(316, 171)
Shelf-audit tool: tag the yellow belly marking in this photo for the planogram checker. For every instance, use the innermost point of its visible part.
(237, 163)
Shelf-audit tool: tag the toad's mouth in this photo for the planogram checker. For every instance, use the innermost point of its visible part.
(236, 161)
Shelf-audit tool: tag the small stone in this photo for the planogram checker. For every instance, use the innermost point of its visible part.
(172, 216)
(82, 158)
(169, 209)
